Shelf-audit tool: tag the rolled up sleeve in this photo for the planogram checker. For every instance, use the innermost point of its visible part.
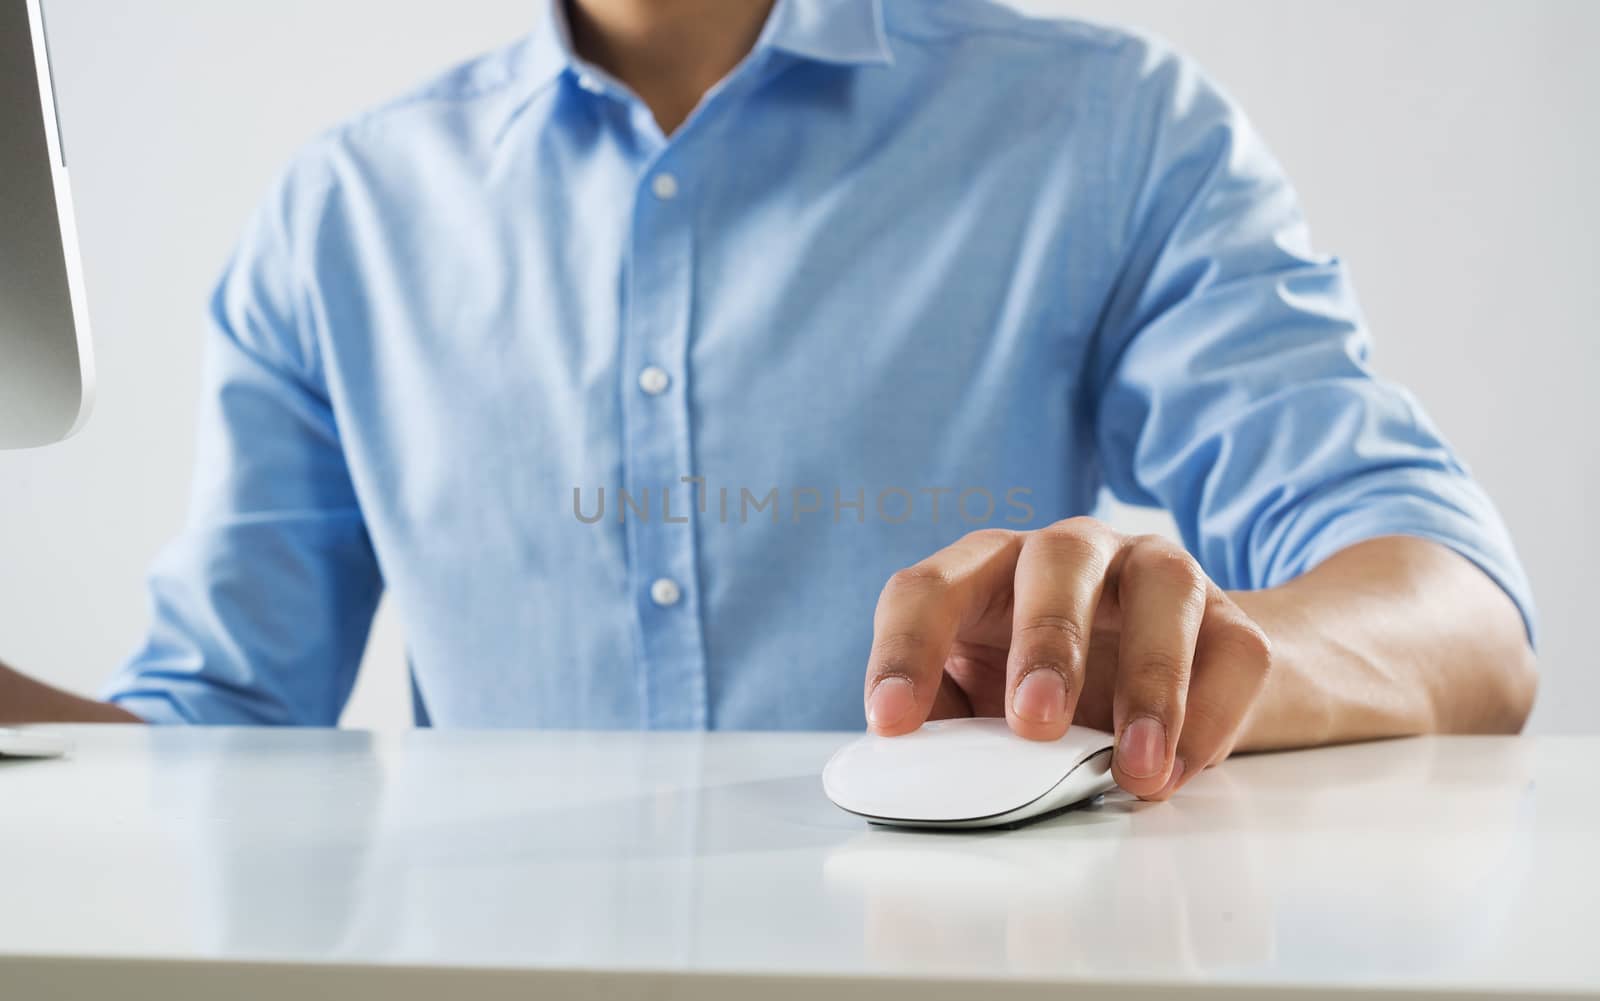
(1232, 372)
(260, 609)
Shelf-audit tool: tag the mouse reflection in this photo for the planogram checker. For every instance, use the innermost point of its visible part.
(1060, 896)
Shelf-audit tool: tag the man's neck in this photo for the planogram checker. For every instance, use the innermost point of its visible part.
(669, 52)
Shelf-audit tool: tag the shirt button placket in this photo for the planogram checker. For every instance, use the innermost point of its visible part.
(661, 545)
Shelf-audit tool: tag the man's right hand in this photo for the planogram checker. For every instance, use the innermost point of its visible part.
(24, 700)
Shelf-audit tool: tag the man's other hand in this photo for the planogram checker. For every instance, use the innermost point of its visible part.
(26, 700)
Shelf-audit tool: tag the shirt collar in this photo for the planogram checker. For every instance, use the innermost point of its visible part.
(550, 46)
(847, 32)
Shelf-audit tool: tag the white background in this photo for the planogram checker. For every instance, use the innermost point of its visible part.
(1446, 150)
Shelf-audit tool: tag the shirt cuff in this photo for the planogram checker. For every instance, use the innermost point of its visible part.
(1436, 505)
(154, 707)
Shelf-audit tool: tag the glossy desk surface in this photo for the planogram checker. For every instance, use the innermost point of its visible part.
(478, 864)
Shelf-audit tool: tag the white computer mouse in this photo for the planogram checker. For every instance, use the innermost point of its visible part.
(967, 773)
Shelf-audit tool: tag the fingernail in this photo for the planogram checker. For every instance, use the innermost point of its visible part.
(1143, 748)
(890, 700)
(1041, 696)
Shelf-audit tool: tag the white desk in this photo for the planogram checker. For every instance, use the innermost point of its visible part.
(476, 865)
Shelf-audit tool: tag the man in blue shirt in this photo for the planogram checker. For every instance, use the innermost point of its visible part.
(633, 359)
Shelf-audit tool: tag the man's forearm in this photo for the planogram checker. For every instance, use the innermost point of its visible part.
(24, 700)
(1391, 637)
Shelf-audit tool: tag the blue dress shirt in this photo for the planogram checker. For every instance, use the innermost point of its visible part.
(632, 428)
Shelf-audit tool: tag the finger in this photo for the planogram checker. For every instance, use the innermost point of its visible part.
(951, 702)
(1232, 659)
(919, 615)
(1163, 597)
(1061, 573)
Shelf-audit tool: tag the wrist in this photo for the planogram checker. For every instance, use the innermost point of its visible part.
(1326, 685)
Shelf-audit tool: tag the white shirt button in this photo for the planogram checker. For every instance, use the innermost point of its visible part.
(665, 592)
(665, 186)
(654, 381)
(588, 82)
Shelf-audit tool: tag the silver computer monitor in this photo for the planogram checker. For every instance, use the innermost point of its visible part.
(46, 372)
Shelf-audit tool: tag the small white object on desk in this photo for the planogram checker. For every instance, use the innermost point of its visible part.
(31, 744)
(963, 774)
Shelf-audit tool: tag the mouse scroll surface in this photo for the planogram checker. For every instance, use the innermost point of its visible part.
(968, 772)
